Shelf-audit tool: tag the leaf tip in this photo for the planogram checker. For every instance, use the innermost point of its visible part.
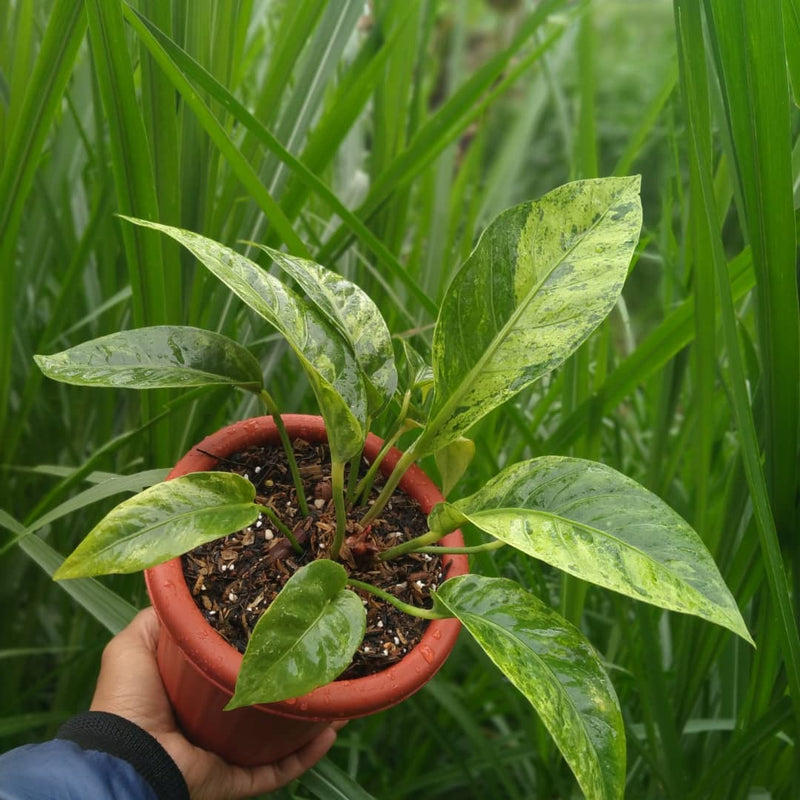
(745, 634)
(67, 571)
(233, 704)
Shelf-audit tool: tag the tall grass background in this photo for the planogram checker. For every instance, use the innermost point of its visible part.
(380, 144)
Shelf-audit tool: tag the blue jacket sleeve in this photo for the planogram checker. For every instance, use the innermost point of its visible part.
(94, 755)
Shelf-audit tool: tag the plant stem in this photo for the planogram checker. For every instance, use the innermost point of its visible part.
(412, 545)
(406, 460)
(337, 487)
(476, 548)
(414, 611)
(276, 521)
(352, 477)
(272, 407)
(365, 484)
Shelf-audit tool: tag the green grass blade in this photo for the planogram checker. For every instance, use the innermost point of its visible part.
(161, 124)
(791, 21)
(748, 45)
(670, 337)
(352, 94)
(327, 782)
(746, 745)
(131, 163)
(178, 63)
(704, 296)
(221, 138)
(22, 48)
(44, 92)
(451, 119)
(585, 161)
(108, 608)
(650, 118)
(108, 488)
(325, 48)
(776, 575)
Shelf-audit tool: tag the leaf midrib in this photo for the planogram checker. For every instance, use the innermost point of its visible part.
(172, 519)
(309, 628)
(115, 368)
(602, 533)
(434, 425)
(551, 672)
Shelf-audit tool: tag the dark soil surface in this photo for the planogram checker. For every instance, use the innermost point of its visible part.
(233, 580)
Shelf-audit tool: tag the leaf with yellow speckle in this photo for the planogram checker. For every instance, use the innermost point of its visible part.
(556, 669)
(162, 522)
(599, 525)
(542, 277)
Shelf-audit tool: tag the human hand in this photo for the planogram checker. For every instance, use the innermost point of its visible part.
(130, 686)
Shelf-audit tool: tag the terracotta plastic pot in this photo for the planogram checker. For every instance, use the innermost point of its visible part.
(199, 667)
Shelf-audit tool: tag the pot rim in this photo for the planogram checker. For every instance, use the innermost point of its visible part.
(219, 662)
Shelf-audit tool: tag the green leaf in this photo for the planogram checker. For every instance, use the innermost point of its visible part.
(94, 494)
(326, 781)
(107, 607)
(22, 144)
(453, 460)
(556, 669)
(542, 277)
(130, 159)
(304, 639)
(416, 376)
(791, 18)
(186, 74)
(163, 522)
(327, 360)
(599, 525)
(162, 355)
(355, 316)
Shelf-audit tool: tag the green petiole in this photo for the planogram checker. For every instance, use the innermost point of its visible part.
(412, 545)
(414, 611)
(476, 548)
(337, 487)
(272, 407)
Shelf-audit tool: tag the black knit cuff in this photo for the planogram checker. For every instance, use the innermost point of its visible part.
(119, 737)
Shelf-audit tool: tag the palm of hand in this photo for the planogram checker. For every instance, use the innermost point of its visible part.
(130, 686)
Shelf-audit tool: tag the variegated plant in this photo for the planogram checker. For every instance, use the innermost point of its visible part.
(542, 277)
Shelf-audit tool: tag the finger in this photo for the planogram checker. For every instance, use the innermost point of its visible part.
(273, 776)
(145, 627)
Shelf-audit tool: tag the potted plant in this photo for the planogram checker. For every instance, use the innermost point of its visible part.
(200, 668)
(541, 278)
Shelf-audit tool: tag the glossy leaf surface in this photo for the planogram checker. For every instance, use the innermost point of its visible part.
(306, 637)
(542, 277)
(356, 317)
(163, 522)
(158, 356)
(593, 522)
(327, 359)
(557, 670)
